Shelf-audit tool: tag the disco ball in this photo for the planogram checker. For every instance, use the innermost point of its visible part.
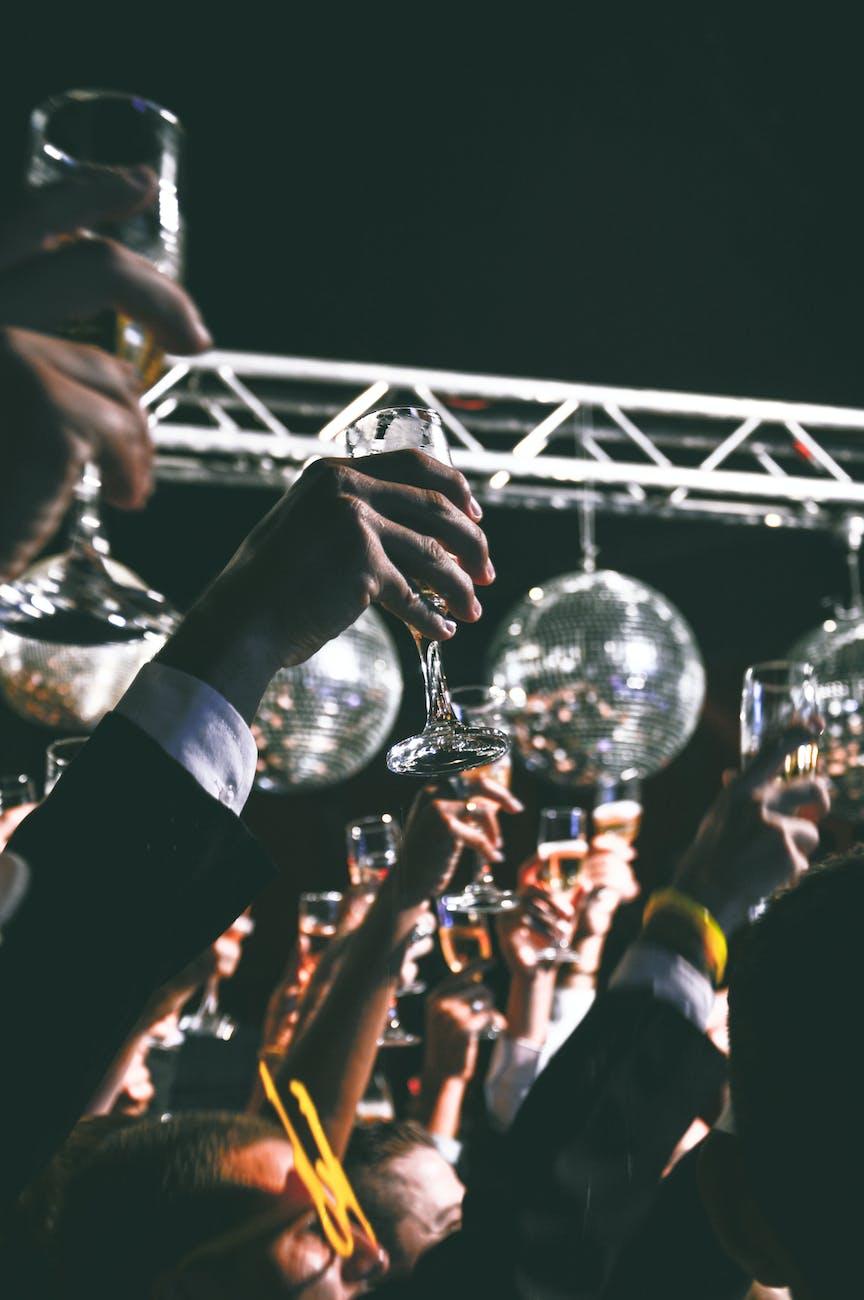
(604, 675)
(836, 651)
(70, 684)
(323, 721)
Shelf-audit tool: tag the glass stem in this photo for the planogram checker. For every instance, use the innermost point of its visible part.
(438, 706)
(210, 1001)
(86, 538)
(483, 872)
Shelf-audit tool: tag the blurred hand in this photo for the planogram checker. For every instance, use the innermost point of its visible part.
(228, 948)
(11, 819)
(166, 1002)
(64, 402)
(439, 827)
(753, 839)
(348, 534)
(451, 1034)
(136, 1091)
(526, 931)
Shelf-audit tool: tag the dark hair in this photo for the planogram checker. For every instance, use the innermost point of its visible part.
(147, 1196)
(794, 1014)
(380, 1193)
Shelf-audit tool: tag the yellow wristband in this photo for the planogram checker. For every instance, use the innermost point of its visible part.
(713, 938)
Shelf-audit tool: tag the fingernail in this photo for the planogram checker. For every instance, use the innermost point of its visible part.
(520, 807)
(477, 608)
(490, 571)
(449, 626)
(476, 509)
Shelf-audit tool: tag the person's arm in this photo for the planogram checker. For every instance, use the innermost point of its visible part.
(335, 1054)
(449, 1061)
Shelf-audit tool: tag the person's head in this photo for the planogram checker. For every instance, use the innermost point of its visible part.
(412, 1196)
(199, 1207)
(785, 1194)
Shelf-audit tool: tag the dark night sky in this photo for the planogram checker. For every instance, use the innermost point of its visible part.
(619, 198)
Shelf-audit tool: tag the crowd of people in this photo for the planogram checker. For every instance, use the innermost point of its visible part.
(591, 1132)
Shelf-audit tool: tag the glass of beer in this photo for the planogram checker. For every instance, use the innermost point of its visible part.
(776, 694)
(483, 706)
(465, 939)
(618, 808)
(561, 850)
(373, 848)
(317, 918)
(445, 745)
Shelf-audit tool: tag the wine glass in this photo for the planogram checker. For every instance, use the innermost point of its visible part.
(208, 1020)
(373, 850)
(17, 799)
(776, 694)
(58, 756)
(483, 706)
(561, 848)
(465, 939)
(78, 626)
(445, 744)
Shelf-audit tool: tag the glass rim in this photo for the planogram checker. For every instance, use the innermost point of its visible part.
(322, 896)
(561, 810)
(43, 111)
(374, 819)
(58, 748)
(11, 779)
(779, 665)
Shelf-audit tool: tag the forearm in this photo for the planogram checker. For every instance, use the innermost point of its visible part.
(440, 1106)
(529, 1005)
(109, 1089)
(335, 1054)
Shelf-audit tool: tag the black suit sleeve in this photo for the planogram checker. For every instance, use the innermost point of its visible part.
(134, 870)
(581, 1165)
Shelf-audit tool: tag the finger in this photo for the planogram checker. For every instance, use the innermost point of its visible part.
(801, 792)
(728, 776)
(613, 845)
(419, 470)
(770, 759)
(494, 790)
(87, 276)
(431, 513)
(85, 200)
(538, 900)
(89, 365)
(396, 594)
(471, 835)
(425, 561)
(482, 813)
(115, 433)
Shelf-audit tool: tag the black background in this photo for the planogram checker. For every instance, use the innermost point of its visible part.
(626, 198)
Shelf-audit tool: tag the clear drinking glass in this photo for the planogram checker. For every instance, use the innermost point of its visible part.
(618, 808)
(465, 938)
(561, 848)
(483, 706)
(16, 790)
(775, 694)
(317, 918)
(78, 626)
(373, 850)
(208, 1020)
(445, 744)
(59, 755)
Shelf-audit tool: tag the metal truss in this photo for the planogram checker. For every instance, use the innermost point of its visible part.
(248, 419)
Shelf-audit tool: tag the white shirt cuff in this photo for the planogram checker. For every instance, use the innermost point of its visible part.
(197, 727)
(449, 1148)
(514, 1066)
(669, 977)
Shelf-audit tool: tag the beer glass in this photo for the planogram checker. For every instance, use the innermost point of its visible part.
(465, 938)
(776, 694)
(618, 808)
(561, 849)
(58, 756)
(445, 744)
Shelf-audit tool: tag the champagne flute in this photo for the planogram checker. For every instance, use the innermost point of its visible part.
(58, 756)
(561, 848)
(373, 850)
(78, 626)
(208, 1020)
(445, 744)
(484, 706)
(465, 939)
(618, 808)
(318, 916)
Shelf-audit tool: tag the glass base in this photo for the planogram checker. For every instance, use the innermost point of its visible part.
(399, 1038)
(411, 990)
(481, 898)
(447, 747)
(207, 1025)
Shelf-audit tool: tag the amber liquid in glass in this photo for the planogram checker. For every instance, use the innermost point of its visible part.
(465, 942)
